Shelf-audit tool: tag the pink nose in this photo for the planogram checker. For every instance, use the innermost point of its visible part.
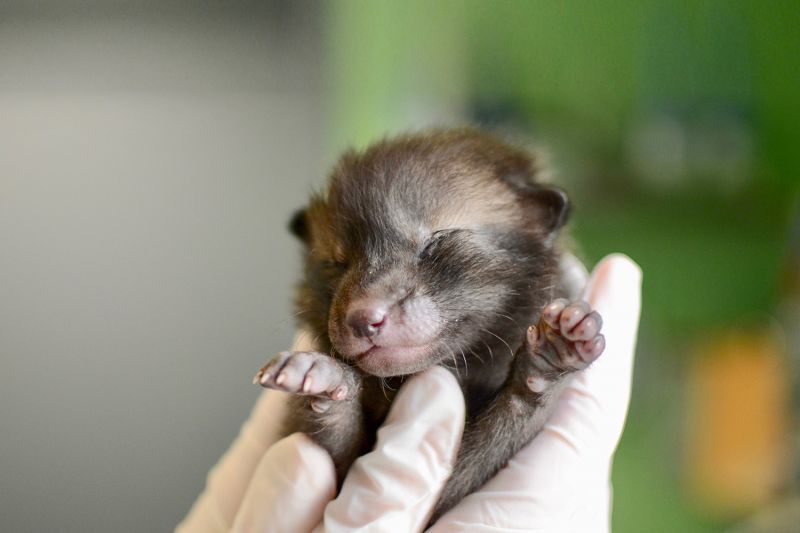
(366, 322)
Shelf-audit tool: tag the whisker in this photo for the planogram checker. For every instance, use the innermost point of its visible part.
(510, 351)
(382, 381)
(491, 353)
(511, 319)
(455, 363)
(482, 312)
(478, 357)
(386, 382)
(444, 364)
(466, 366)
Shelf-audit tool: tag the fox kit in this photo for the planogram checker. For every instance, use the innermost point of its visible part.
(434, 248)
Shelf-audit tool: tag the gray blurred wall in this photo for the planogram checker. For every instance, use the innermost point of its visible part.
(149, 161)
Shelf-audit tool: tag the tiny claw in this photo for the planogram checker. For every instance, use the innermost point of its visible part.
(307, 385)
(280, 379)
(533, 335)
(257, 378)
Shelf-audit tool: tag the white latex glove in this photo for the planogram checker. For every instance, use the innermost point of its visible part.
(558, 483)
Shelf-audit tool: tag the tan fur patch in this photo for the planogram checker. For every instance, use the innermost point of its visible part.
(324, 243)
(483, 201)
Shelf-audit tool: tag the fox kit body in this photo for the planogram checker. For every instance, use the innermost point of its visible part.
(436, 248)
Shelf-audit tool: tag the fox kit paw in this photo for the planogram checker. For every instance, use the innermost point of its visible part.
(313, 374)
(567, 338)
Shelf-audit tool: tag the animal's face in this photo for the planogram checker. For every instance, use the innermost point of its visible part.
(423, 249)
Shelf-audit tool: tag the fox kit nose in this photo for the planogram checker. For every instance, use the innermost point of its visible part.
(366, 322)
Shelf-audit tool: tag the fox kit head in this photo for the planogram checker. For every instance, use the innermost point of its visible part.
(427, 247)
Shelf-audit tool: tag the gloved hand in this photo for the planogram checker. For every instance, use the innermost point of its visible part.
(559, 482)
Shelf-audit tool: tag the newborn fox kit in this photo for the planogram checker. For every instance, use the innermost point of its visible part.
(436, 248)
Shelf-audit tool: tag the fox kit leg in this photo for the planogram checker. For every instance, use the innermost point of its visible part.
(566, 339)
(325, 402)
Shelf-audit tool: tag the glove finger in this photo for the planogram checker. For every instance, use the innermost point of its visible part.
(592, 498)
(394, 487)
(593, 412)
(226, 483)
(538, 489)
(290, 488)
(573, 276)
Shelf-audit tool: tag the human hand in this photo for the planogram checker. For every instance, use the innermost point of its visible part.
(559, 482)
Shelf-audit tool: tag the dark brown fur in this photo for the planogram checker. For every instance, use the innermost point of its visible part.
(457, 218)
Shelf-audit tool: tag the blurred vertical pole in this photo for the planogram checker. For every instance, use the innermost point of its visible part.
(392, 66)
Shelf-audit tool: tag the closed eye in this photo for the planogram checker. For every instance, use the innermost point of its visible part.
(437, 237)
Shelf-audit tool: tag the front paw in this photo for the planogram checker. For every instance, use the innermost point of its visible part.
(567, 338)
(312, 374)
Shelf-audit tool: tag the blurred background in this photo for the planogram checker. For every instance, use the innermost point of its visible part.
(152, 152)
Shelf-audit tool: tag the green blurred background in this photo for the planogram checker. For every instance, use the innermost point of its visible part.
(672, 124)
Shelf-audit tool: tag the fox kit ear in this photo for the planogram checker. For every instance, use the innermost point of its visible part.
(551, 203)
(298, 225)
(553, 206)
